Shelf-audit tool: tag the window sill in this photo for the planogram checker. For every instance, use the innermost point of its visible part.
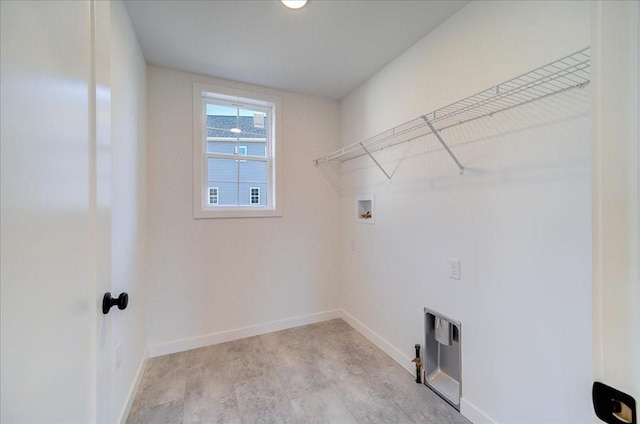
(227, 213)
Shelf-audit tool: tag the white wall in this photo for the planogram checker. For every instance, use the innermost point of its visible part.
(519, 220)
(128, 198)
(210, 276)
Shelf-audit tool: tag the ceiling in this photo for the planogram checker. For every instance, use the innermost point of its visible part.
(328, 48)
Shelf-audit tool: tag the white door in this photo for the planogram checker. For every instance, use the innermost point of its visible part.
(100, 199)
(616, 177)
(52, 222)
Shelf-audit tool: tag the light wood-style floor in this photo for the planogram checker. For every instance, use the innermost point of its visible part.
(319, 373)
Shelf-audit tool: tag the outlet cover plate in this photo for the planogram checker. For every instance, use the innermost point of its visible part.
(454, 269)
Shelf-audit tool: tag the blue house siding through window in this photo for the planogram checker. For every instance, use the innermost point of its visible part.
(235, 178)
(254, 148)
(234, 194)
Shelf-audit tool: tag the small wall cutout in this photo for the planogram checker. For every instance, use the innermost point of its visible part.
(366, 213)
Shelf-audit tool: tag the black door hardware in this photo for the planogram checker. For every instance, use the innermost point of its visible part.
(121, 301)
(612, 406)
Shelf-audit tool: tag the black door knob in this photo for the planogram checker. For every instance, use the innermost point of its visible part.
(107, 302)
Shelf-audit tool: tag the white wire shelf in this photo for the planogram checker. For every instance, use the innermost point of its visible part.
(567, 73)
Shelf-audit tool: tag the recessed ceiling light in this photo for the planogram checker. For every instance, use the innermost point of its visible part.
(294, 4)
(235, 130)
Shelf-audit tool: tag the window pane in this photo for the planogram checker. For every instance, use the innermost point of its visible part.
(228, 121)
(229, 147)
(215, 146)
(220, 120)
(222, 170)
(228, 126)
(253, 171)
(235, 189)
(256, 148)
(227, 193)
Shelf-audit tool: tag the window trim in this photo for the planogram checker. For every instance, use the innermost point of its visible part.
(201, 209)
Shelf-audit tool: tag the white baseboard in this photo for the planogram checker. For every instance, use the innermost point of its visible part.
(467, 409)
(473, 414)
(241, 333)
(403, 360)
(134, 389)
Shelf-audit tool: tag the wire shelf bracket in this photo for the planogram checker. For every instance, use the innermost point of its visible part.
(375, 161)
(444, 144)
(568, 73)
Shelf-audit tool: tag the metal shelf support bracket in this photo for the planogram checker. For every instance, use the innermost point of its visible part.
(375, 161)
(444, 144)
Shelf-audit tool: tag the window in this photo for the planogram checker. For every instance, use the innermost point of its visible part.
(254, 195)
(213, 195)
(242, 151)
(235, 167)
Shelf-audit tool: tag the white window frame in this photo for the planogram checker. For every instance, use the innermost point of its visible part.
(201, 208)
(215, 196)
(251, 195)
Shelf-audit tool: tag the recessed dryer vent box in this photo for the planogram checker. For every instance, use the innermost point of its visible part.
(366, 213)
(442, 359)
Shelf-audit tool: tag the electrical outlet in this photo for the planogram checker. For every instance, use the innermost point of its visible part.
(354, 246)
(454, 269)
(118, 355)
